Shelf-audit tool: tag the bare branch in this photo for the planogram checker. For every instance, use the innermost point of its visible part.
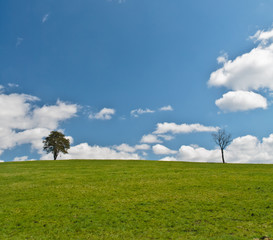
(222, 139)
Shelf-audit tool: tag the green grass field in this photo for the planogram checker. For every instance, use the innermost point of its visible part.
(135, 200)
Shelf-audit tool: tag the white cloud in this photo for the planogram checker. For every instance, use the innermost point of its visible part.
(142, 147)
(162, 150)
(234, 101)
(168, 159)
(250, 71)
(263, 36)
(150, 138)
(166, 108)
(130, 149)
(166, 137)
(125, 148)
(182, 128)
(246, 149)
(137, 112)
(51, 116)
(16, 110)
(1, 88)
(21, 159)
(85, 151)
(21, 122)
(103, 114)
(198, 154)
(222, 58)
(45, 18)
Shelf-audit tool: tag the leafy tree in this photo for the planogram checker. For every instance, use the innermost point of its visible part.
(56, 143)
(222, 139)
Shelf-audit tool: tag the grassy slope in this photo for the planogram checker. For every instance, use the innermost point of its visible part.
(135, 200)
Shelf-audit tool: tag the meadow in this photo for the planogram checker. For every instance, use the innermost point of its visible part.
(84, 199)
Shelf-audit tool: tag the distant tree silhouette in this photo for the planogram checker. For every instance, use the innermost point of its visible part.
(56, 143)
(222, 139)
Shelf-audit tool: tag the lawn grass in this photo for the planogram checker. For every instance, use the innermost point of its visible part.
(81, 199)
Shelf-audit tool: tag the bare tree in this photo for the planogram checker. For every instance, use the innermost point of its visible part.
(222, 139)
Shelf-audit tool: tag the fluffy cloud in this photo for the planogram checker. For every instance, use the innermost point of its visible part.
(223, 58)
(166, 108)
(250, 71)
(168, 159)
(137, 112)
(234, 101)
(103, 114)
(162, 150)
(84, 151)
(198, 154)
(166, 137)
(51, 116)
(142, 147)
(130, 149)
(21, 122)
(246, 149)
(150, 138)
(263, 36)
(182, 128)
(21, 159)
(16, 110)
(125, 148)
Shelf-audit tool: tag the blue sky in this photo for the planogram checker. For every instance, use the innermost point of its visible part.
(137, 79)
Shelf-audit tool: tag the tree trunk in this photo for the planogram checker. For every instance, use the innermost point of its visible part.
(55, 154)
(222, 151)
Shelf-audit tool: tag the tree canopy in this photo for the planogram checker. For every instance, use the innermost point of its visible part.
(55, 143)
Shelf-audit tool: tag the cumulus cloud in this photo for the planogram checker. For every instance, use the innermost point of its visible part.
(222, 58)
(197, 154)
(103, 114)
(234, 101)
(85, 151)
(168, 159)
(124, 147)
(174, 128)
(166, 137)
(150, 138)
(246, 149)
(263, 36)
(18, 112)
(166, 108)
(142, 147)
(162, 150)
(137, 112)
(21, 159)
(250, 71)
(22, 122)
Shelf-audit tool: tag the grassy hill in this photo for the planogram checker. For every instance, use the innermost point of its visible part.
(135, 200)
